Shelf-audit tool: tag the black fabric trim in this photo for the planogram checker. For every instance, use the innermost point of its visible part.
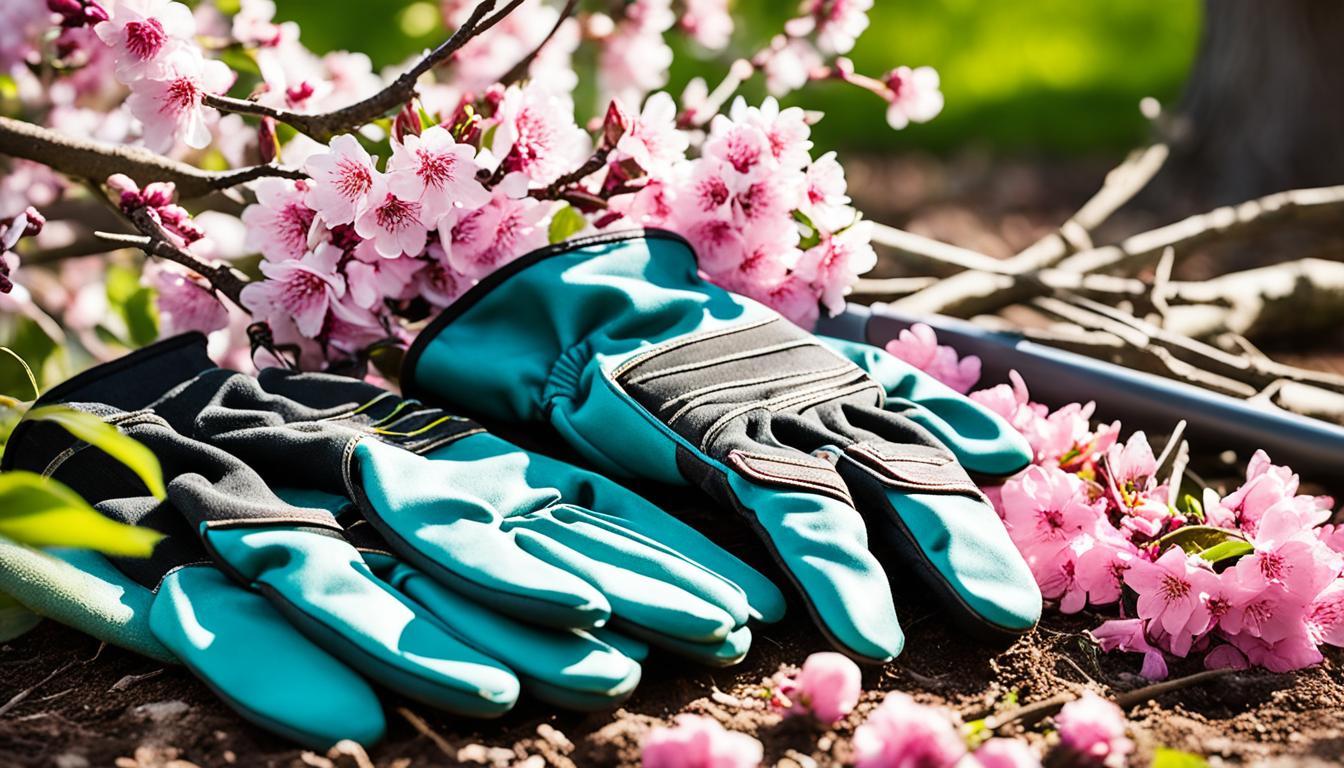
(103, 384)
(411, 388)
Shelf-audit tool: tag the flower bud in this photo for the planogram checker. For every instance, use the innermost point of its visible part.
(615, 124)
(408, 122)
(35, 222)
(268, 143)
(94, 12)
(158, 194)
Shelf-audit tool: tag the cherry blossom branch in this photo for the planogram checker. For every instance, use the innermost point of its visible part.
(519, 70)
(87, 159)
(324, 125)
(154, 242)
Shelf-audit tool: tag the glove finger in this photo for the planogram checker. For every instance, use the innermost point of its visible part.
(822, 544)
(635, 649)
(509, 478)
(585, 531)
(639, 592)
(423, 510)
(982, 441)
(566, 668)
(81, 589)
(325, 589)
(259, 664)
(632, 512)
(956, 544)
(723, 653)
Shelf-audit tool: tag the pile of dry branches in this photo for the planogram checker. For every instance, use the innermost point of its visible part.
(1197, 332)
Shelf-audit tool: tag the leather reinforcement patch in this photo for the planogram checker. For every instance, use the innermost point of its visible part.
(913, 467)
(801, 472)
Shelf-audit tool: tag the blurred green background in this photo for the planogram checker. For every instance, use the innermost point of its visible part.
(1058, 76)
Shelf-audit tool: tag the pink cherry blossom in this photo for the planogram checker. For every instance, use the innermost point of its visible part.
(20, 23)
(1131, 635)
(395, 225)
(652, 140)
(1173, 593)
(918, 345)
(836, 23)
(1093, 729)
(278, 224)
(825, 200)
(792, 296)
(913, 96)
(537, 134)
(186, 304)
(1325, 616)
(1296, 651)
(371, 278)
(827, 687)
(786, 130)
(1266, 484)
(1130, 470)
(301, 291)
(437, 282)
(699, 742)
(489, 56)
(901, 732)
(1005, 753)
(436, 171)
(479, 242)
(836, 262)
(142, 33)
(171, 108)
(708, 22)
(790, 66)
(1045, 508)
(744, 148)
(1101, 568)
(634, 60)
(343, 177)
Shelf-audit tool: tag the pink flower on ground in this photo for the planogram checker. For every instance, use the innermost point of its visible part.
(1101, 569)
(172, 107)
(918, 345)
(837, 23)
(1131, 635)
(343, 178)
(699, 742)
(901, 732)
(537, 134)
(142, 33)
(1093, 728)
(185, 304)
(1173, 593)
(1045, 508)
(1325, 617)
(436, 171)
(827, 687)
(1296, 651)
(653, 140)
(298, 290)
(394, 225)
(278, 224)
(913, 95)
(1005, 753)
(1134, 490)
(1266, 484)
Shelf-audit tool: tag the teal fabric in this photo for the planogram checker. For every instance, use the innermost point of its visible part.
(81, 589)
(545, 342)
(326, 590)
(981, 440)
(238, 643)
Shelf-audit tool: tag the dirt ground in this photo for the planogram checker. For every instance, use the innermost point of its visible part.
(67, 703)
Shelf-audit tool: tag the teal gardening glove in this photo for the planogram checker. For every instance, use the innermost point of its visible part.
(651, 372)
(471, 574)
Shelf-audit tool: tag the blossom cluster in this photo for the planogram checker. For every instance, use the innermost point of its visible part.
(1251, 577)
(26, 224)
(899, 731)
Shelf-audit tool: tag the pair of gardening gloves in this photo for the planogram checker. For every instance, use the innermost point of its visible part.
(322, 533)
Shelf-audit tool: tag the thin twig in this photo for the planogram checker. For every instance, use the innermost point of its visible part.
(87, 159)
(324, 125)
(1037, 711)
(419, 724)
(519, 71)
(155, 243)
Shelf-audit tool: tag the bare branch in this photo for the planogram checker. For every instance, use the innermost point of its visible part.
(155, 242)
(986, 290)
(322, 126)
(85, 159)
(519, 71)
(934, 256)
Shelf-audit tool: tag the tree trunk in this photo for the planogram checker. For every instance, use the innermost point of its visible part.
(1263, 109)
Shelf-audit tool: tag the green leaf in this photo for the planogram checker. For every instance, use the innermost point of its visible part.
(566, 223)
(42, 512)
(15, 620)
(109, 440)
(1165, 757)
(1228, 550)
(1197, 538)
(1191, 507)
(27, 371)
